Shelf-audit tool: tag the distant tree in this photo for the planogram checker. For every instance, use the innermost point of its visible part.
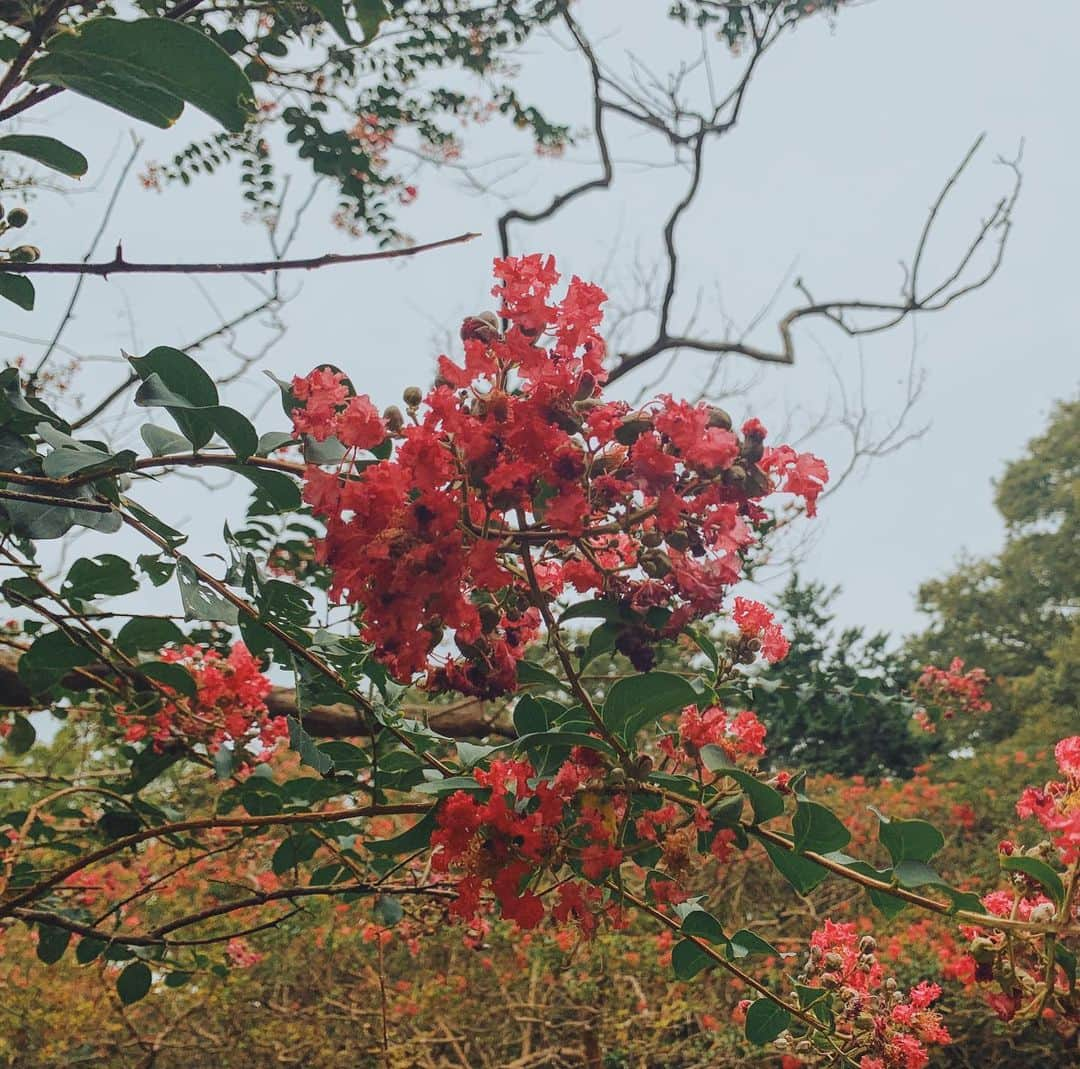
(837, 701)
(1016, 613)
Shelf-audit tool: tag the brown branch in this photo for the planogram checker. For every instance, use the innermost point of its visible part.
(157, 936)
(466, 719)
(119, 266)
(163, 830)
(607, 171)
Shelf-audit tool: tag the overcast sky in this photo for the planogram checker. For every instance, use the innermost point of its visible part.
(849, 130)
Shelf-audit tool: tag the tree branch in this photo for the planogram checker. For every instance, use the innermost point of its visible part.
(119, 266)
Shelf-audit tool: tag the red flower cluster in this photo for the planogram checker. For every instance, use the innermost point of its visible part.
(1057, 805)
(893, 1029)
(228, 706)
(757, 622)
(742, 735)
(525, 827)
(951, 690)
(514, 481)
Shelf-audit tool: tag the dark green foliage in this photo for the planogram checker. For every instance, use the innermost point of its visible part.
(835, 703)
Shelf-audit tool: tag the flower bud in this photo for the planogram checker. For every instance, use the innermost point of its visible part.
(678, 540)
(586, 386)
(483, 327)
(25, 254)
(393, 419)
(631, 429)
(655, 563)
(489, 617)
(412, 396)
(719, 418)
(18, 217)
(652, 539)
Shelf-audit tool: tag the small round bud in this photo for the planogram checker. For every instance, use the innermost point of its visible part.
(393, 419)
(25, 254)
(489, 617)
(719, 418)
(679, 541)
(483, 327)
(868, 944)
(18, 217)
(652, 539)
(412, 396)
(655, 563)
(631, 429)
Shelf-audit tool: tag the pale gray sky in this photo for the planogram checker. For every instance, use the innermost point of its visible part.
(847, 134)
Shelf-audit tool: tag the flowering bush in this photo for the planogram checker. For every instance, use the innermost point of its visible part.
(471, 538)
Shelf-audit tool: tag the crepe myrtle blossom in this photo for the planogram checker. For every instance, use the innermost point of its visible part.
(513, 481)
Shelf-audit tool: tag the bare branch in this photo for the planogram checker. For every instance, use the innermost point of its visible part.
(119, 266)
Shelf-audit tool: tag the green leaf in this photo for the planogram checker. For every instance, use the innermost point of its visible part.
(334, 13)
(307, 748)
(134, 982)
(162, 442)
(804, 875)
(767, 802)
(688, 959)
(371, 15)
(52, 942)
(274, 488)
(293, 851)
(415, 838)
(89, 949)
(912, 873)
(1039, 871)
(449, 785)
(50, 658)
(531, 716)
(200, 602)
(818, 829)
(18, 289)
(147, 633)
(594, 610)
(273, 440)
(914, 840)
(765, 1020)
(147, 69)
(531, 674)
(702, 923)
(746, 944)
(171, 675)
(633, 703)
(21, 736)
(107, 575)
(387, 911)
(46, 150)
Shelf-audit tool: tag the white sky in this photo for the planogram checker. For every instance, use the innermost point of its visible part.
(847, 134)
